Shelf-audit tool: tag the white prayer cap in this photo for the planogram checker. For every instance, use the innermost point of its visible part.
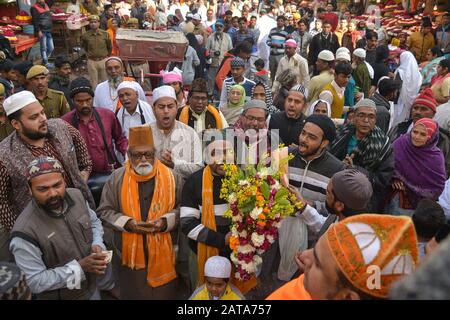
(127, 85)
(343, 56)
(360, 53)
(218, 267)
(326, 55)
(197, 17)
(18, 101)
(164, 92)
(342, 49)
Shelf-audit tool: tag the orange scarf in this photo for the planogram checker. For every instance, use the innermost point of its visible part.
(161, 257)
(293, 290)
(209, 221)
(184, 115)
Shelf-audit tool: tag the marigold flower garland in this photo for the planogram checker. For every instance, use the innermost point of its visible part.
(257, 202)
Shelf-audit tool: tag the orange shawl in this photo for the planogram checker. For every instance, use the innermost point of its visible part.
(208, 220)
(161, 257)
(293, 290)
(184, 115)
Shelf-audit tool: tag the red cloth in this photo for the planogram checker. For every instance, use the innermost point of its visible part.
(426, 99)
(332, 18)
(92, 135)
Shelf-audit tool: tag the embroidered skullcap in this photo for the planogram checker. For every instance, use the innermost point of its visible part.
(258, 104)
(18, 101)
(426, 99)
(326, 55)
(80, 84)
(13, 285)
(290, 43)
(353, 188)
(218, 267)
(374, 245)
(360, 53)
(368, 103)
(237, 63)
(128, 85)
(140, 136)
(300, 88)
(37, 70)
(113, 58)
(164, 92)
(429, 124)
(176, 75)
(43, 165)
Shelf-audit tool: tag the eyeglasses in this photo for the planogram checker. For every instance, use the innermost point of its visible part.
(363, 116)
(252, 118)
(139, 155)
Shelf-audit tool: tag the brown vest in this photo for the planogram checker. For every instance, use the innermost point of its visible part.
(16, 157)
(61, 240)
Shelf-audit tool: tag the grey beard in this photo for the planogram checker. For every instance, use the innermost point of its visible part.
(115, 81)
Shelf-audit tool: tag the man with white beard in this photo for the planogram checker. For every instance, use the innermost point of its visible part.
(140, 203)
(106, 95)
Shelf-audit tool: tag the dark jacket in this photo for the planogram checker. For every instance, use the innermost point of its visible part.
(443, 142)
(42, 21)
(312, 177)
(379, 174)
(319, 43)
(383, 115)
(289, 129)
(56, 85)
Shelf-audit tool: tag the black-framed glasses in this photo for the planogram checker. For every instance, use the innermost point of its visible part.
(139, 155)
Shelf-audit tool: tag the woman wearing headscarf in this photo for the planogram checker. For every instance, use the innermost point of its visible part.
(409, 75)
(236, 100)
(319, 107)
(419, 168)
(440, 84)
(113, 25)
(261, 91)
(429, 67)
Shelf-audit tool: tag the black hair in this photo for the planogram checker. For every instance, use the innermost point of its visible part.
(243, 46)
(443, 232)
(61, 60)
(343, 68)
(382, 53)
(15, 115)
(428, 218)
(193, 42)
(371, 34)
(445, 63)
(6, 65)
(326, 22)
(259, 63)
(281, 17)
(242, 19)
(304, 21)
(320, 10)
(436, 51)
(255, 17)
(387, 86)
(228, 12)
(106, 7)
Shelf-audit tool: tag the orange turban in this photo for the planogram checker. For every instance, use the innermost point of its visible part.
(370, 245)
(140, 136)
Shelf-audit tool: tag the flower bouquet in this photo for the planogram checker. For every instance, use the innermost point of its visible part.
(258, 200)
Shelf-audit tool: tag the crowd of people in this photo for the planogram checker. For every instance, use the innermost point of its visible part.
(110, 190)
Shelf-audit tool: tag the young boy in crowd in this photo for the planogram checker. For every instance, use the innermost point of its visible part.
(262, 75)
(428, 219)
(217, 282)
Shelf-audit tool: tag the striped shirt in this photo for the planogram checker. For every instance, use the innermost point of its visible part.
(277, 37)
